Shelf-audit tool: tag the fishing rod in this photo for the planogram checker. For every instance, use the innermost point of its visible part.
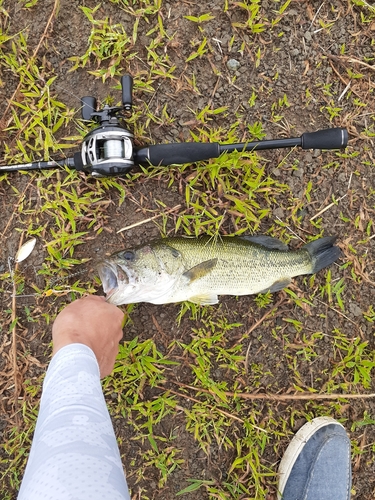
(108, 150)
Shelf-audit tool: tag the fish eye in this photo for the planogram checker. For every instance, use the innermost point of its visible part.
(128, 255)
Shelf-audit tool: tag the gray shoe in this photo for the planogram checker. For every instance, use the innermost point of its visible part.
(316, 465)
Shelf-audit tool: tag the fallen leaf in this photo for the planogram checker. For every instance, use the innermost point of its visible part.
(25, 250)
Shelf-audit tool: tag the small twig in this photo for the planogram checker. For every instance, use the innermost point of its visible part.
(337, 311)
(341, 96)
(289, 229)
(350, 60)
(361, 447)
(327, 207)
(218, 43)
(278, 397)
(148, 220)
(14, 334)
(347, 84)
(316, 15)
(350, 180)
(154, 94)
(214, 92)
(159, 329)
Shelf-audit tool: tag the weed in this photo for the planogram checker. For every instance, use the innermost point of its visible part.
(29, 3)
(370, 8)
(165, 460)
(15, 449)
(356, 360)
(263, 299)
(370, 314)
(252, 10)
(106, 42)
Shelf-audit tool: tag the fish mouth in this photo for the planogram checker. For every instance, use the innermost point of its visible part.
(110, 275)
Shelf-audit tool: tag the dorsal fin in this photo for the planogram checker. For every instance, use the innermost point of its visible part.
(267, 242)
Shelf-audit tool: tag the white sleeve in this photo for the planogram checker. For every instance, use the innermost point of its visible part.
(74, 454)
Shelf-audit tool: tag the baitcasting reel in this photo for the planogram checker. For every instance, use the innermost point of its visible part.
(108, 150)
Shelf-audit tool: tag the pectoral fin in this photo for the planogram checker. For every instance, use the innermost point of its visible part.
(205, 299)
(277, 285)
(200, 270)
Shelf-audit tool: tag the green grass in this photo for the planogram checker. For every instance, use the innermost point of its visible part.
(177, 396)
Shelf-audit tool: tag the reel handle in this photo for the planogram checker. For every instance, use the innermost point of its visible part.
(89, 105)
(127, 92)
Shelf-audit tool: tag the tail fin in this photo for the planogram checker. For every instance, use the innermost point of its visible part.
(322, 252)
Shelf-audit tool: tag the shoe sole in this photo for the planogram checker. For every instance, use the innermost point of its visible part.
(296, 445)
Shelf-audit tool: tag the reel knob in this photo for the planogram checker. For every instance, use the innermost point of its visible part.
(89, 106)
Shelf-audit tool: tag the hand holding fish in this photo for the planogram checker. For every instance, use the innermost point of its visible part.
(93, 322)
(200, 269)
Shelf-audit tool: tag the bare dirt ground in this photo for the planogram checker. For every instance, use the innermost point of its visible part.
(313, 69)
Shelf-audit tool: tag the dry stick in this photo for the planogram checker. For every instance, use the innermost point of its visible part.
(350, 60)
(343, 79)
(148, 220)
(291, 230)
(328, 207)
(361, 63)
(277, 397)
(337, 312)
(14, 335)
(31, 60)
(361, 447)
(214, 92)
(255, 325)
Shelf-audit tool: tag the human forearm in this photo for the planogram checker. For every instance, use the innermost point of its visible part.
(74, 452)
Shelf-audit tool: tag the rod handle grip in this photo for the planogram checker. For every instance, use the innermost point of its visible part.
(176, 153)
(330, 138)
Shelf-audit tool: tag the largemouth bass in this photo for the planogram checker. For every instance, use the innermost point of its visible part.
(200, 269)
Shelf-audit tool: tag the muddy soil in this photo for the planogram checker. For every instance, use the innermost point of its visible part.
(300, 60)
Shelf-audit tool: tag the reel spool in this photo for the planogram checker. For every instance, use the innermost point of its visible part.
(106, 151)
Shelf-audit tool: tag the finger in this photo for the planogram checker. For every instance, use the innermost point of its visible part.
(96, 298)
(117, 313)
(119, 337)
